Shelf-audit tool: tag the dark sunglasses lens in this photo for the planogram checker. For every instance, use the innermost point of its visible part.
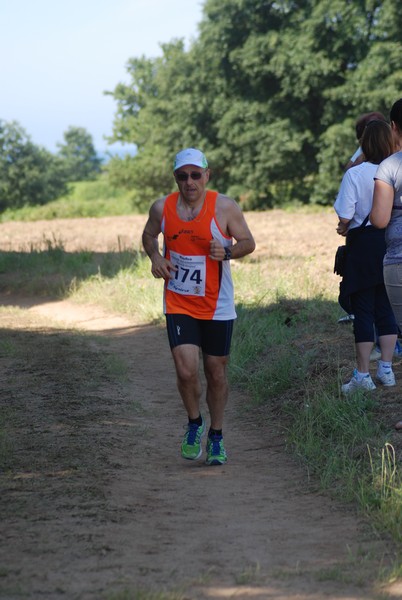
(184, 176)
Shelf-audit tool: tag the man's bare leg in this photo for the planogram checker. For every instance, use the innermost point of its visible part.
(187, 360)
(217, 388)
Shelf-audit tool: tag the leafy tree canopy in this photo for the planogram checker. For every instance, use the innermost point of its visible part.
(79, 155)
(29, 174)
(270, 91)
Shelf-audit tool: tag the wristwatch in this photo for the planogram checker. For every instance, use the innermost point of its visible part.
(228, 254)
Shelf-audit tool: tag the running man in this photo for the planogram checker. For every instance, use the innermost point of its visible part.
(198, 228)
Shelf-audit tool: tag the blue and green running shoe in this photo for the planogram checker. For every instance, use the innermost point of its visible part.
(191, 444)
(216, 453)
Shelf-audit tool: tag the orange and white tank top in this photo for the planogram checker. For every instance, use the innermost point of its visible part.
(201, 287)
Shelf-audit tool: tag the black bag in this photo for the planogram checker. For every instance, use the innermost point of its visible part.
(340, 256)
(340, 261)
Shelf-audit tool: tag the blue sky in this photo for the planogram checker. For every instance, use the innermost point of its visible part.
(57, 58)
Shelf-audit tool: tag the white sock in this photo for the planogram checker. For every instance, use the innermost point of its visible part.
(360, 376)
(384, 366)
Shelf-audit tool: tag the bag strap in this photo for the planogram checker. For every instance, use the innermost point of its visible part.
(364, 222)
(352, 234)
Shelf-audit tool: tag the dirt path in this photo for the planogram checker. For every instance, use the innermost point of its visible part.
(96, 499)
(109, 505)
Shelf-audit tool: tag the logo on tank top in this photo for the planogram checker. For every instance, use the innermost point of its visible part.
(193, 237)
(175, 236)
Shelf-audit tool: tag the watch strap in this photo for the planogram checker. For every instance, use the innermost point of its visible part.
(228, 254)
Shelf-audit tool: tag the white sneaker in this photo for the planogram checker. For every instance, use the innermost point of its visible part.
(375, 353)
(387, 378)
(364, 384)
(398, 349)
(346, 319)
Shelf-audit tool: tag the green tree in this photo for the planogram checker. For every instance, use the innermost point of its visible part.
(371, 80)
(159, 89)
(29, 174)
(269, 90)
(79, 156)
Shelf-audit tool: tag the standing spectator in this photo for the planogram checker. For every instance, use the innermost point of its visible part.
(387, 213)
(357, 159)
(362, 290)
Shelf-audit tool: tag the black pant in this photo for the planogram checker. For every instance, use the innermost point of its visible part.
(371, 307)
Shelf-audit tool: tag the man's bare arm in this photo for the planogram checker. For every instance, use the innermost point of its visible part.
(161, 267)
(232, 222)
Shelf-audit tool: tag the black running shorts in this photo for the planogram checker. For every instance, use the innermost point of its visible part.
(213, 337)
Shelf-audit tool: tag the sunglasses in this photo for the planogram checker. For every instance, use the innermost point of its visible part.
(195, 175)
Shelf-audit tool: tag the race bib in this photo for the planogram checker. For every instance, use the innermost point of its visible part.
(189, 279)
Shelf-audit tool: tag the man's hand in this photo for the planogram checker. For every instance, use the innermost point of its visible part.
(216, 250)
(161, 267)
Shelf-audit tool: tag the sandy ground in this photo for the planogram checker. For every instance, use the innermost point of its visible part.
(100, 500)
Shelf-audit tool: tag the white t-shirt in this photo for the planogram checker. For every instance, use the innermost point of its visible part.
(355, 196)
(356, 155)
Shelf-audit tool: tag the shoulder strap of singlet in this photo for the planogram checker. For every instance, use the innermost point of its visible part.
(210, 199)
(170, 200)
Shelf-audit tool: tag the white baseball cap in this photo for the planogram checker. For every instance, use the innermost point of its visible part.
(190, 156)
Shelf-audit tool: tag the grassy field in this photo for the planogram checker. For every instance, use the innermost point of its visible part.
(84, 199)
(288, 351)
